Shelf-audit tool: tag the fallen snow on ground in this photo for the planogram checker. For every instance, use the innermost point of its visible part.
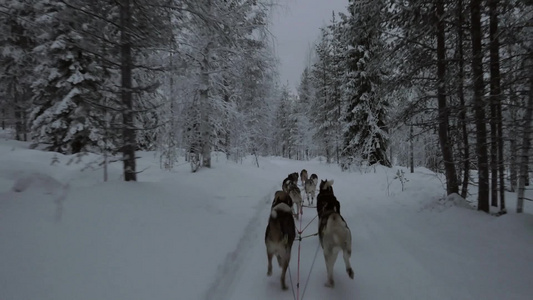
(65, 234)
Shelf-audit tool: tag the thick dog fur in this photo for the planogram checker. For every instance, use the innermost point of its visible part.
(282, 197)
(310, 189)
(292, 179)
(303, 176)
(335, 236)
(279, 237)
(326, 196)
(296, 197)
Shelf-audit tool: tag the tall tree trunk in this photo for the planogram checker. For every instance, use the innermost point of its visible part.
(412, 148)
(205, 126)
(128, 131)
(526, 144)
(461, 95)
(326, 130)
(18, 113)
(513, 148)
(496, 108)
(481, 137)
(494, 99)
(449, 164)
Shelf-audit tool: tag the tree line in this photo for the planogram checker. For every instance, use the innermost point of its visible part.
(115, 77)
(443, 84)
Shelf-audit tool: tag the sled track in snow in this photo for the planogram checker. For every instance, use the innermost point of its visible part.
(229, 270)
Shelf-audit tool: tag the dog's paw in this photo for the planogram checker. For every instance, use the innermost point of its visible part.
(330, 283)
(284, 287)
(269, 273)
(350, 272)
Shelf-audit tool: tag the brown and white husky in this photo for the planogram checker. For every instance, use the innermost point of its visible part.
(279, 237)
(310, 189)
(303, 176)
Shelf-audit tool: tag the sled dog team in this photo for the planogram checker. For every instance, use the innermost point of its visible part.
(333, 232)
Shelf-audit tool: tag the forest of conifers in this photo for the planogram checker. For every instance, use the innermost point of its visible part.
(443, 84)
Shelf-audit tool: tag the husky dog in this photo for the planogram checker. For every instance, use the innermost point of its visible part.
(296, 197)
(314, 176)
(310, 189)
(279, 237)
(282, 197)
(292, 179)
(326, 196)
(334, 236)
(303, 176)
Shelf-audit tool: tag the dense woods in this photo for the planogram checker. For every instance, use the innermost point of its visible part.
(445, 85)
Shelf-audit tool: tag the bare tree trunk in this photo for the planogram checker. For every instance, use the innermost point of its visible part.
(513, 149)
(326, 130)
(501, 162)
(128, 131)
(18, 115)
(526, 144)
(205, 131)
(24, 124)
(496, 109)
(493, 149)
(449, 164)
(481, 137)
(494, 98)
(461, 95)
(412, 149)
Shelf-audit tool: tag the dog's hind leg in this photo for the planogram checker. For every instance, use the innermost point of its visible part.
(269, 255)
(284, 268)
(330, 257)
(346, 253)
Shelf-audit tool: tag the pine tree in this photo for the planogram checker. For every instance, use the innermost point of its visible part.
(62, 116)
(365, 130)
(323, 106)
(16, 62)
(305, 95)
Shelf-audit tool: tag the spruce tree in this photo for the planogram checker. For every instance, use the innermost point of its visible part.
(365, 116)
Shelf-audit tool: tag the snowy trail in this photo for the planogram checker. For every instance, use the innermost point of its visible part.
(230, 270)
(183, 235)
(385, 259)
(389, 257)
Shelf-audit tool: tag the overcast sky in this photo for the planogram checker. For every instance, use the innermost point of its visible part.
(296, 26)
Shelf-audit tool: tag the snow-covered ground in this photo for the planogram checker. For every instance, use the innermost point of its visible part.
(65, 234)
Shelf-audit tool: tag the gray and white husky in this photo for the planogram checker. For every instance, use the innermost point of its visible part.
(279, 237)
(310, 189)
(282, 197)
(303, 176)
(296, 197)
(292, 179)
(333, 232)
